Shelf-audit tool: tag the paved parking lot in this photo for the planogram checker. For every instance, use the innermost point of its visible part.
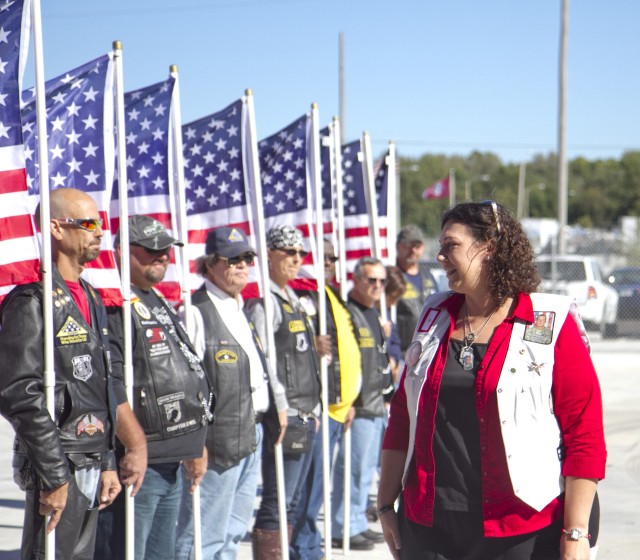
(618, 364)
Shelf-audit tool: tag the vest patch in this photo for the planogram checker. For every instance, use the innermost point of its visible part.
(82, 369)
(296, 326)
(286, 307)
(302, 344)
(89, 425)
(226, 357)
(71, 332)
(142, 310)
(428, 319)
(410, 292)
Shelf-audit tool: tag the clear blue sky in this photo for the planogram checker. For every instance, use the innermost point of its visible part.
(445, 76)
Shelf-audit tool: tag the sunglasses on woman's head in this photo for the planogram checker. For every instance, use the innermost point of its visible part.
(87, 224)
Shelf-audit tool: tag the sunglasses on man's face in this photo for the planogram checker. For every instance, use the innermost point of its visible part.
(294, 252)
(235, 261)
(87, 224)
(374, 281)
(331, 258)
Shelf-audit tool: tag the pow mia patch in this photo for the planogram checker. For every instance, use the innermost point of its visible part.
(302, 344)
(82, 369)
(142, 310)
(171, 405)
(226, 357)
(71, 333)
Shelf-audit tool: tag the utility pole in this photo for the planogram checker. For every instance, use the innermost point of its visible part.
(343, 134)
(563, 170)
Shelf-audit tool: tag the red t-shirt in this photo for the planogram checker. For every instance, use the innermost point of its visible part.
(80, 297)
(577, 407)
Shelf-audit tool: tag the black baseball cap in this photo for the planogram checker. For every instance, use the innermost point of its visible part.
(148, 232)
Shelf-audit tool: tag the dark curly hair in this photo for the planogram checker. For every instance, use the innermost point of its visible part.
(510, 268)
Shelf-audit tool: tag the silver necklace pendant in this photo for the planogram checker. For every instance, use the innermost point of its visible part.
(466, 358)
(470, 338)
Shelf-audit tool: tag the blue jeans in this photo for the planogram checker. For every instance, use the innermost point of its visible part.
(307, 542)
(295, 471)
(156, 507)
(365, 449)
(226, 503)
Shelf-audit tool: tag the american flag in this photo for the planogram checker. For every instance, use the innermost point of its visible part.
(150, 187)
(286, 171)
(381, 173)
(216, 157)
(327, 164)
(19, 253)
(356, 216)
(80, 124)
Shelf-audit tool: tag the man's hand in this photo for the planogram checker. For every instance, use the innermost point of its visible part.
(283, 419)
(387, 329)
(53, 502)
(350, 416)
(196, 469)
(132, 468)
(109, 488)
(323, 345)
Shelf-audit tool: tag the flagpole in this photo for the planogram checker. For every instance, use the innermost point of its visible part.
(452, 187)
(392, 225)
(322, 314)
(178, 170)
(46, 265)
(372, 208)
(125, 273)
(253, 168)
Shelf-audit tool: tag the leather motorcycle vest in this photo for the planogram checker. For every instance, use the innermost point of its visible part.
(376, 371)
(85, 404)
(171, 395)
(233, 435)
(296, 358)
(410, 306)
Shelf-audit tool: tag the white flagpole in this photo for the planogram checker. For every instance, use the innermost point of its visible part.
(372, 208)
(452, 187)
(392, 224)
(180, 191)
(46, 264)
(322, 317)
(253, 172)
(342, 279)
(125, 273)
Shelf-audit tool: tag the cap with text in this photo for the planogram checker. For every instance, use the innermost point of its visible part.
(149, 233)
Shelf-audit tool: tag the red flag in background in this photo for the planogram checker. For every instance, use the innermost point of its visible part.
(439, 189)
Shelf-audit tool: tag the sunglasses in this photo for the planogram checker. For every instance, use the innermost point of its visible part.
(494, 207)
(87, 224)
(235, 261)
(294, 252)
(331, 258)
(374, 281)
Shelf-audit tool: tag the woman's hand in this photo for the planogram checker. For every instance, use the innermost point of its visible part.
(391, 532)
(574, 550)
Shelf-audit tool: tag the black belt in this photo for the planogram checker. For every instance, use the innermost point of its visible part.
(259, 417)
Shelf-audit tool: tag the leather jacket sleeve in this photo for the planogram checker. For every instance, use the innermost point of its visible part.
(22, 399)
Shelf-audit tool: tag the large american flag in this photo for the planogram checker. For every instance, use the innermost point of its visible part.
(150, 165)
(19, 253)
(381, 173)
(286, 171)
(80, 125)
(356, 216)
(327, 162)
(216, 158)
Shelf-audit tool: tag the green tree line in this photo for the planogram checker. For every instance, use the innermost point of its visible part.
(600, 191)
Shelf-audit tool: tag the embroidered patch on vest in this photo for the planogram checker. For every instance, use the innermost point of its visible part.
(287, 308)
(541, 331)
(71, 333)
(142, 310)
(82, 369)
(296, 326)
(89, 425)
(302, 344)
(226, 357)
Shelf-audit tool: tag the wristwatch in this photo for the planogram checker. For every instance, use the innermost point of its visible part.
(575, 534)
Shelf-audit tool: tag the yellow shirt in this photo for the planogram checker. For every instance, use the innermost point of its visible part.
(350, 360)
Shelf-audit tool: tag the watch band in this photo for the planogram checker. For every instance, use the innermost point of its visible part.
(385, 509)
(575, 534)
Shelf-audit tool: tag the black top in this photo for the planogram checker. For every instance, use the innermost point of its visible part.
(456, 442)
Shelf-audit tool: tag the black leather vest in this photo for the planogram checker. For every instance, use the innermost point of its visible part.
(233, 435)
(410, 305)
(171, 392)
(376, 373)
(297, 361)
(85, 402)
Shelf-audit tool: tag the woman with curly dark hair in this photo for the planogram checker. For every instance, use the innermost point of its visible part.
(495, 439)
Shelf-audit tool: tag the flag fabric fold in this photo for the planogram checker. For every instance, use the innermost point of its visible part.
(19, 251)
(81, 145)
(381, 172)
(439, 189)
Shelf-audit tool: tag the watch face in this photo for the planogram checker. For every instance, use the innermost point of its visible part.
(574, 535)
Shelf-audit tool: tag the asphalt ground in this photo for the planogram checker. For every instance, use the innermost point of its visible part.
(618, 366)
